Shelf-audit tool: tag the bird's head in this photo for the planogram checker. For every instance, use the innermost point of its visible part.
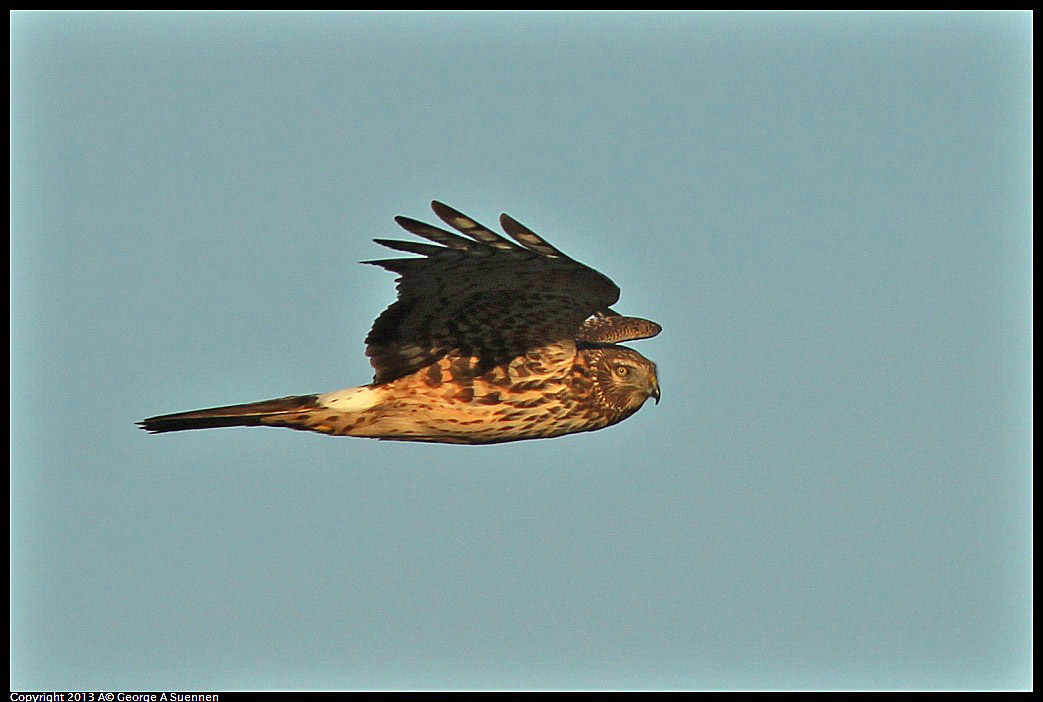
(624, 378)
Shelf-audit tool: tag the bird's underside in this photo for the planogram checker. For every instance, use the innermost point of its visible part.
(489, 341)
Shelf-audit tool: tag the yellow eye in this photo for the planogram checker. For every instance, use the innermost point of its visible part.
(622, 371)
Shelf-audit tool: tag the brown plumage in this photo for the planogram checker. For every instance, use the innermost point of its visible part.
(490, 340)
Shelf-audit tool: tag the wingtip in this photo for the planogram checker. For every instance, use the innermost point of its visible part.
(528, 238)
(448, 214)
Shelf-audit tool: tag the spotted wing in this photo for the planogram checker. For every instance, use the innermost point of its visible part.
(612, 328)
(480, 295)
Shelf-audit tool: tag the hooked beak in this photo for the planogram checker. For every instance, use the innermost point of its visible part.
(655, 391)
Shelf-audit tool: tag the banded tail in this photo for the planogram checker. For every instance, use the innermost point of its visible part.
(292, 412)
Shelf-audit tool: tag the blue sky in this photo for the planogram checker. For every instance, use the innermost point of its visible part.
(829, 214)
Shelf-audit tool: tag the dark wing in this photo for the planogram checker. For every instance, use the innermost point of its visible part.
(612, 328)
(480, 295)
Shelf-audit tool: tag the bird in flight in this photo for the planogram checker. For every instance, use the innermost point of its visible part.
(490, 340)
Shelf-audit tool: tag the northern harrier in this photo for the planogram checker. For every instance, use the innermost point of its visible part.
(490, 340)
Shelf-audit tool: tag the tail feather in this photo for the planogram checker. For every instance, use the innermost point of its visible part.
(265, 413)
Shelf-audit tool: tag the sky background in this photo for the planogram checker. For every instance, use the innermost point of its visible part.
(829, 214)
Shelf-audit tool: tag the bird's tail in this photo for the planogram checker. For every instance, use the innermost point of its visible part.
(294, 412)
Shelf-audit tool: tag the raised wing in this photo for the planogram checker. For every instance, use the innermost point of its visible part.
(480, 295)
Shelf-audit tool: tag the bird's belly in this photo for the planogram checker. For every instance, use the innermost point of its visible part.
(480, 412)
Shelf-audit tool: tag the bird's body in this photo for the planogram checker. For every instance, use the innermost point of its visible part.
(488, 342)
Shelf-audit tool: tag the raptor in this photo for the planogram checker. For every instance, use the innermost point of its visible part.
(491, 339)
